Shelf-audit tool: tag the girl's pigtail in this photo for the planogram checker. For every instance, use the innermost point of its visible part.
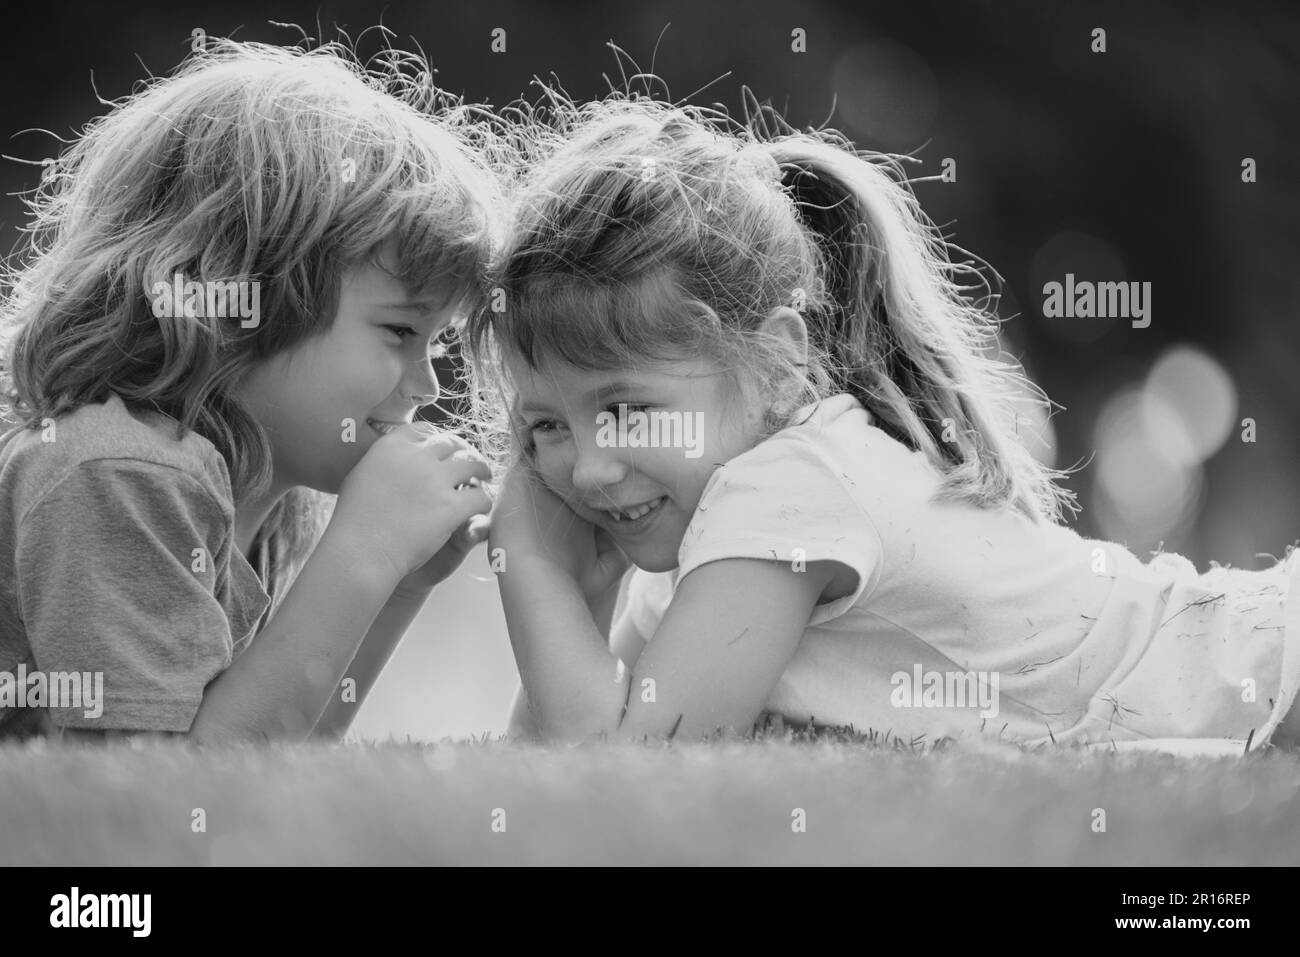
(898, 332)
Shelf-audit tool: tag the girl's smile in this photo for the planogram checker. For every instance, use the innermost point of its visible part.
(644, 497)
(631, 520)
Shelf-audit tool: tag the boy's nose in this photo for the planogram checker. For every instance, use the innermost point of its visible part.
(421, 384)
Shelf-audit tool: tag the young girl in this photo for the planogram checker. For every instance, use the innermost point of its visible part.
(233, 285)
(743, 363)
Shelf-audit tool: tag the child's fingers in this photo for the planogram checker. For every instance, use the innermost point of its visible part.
(469, 534)
(472, 501)
(461, 469)
(477, 529)
(446, 443)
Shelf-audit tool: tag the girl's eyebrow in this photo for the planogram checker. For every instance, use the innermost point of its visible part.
(618, 385)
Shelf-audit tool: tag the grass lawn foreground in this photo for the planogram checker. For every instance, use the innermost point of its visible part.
(721, 802)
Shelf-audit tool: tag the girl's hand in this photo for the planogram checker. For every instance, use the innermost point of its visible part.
(408, 504)
(529, 520)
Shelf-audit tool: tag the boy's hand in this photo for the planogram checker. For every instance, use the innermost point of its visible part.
(408, 505)
(417, 585)
(531, 520)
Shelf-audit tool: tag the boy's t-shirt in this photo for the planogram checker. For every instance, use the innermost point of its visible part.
(971, 620)
(118, 558)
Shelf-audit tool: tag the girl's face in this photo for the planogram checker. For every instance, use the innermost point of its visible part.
(631, 451)
(325, 401)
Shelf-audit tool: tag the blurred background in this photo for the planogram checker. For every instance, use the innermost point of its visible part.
(1123, 165)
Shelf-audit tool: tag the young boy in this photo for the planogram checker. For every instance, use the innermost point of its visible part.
(227, 309)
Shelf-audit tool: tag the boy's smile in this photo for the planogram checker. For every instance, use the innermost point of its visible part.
(324, 402)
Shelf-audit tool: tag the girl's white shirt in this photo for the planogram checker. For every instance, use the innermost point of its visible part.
(968, 621)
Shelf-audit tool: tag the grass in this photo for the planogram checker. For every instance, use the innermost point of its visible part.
(726, 802)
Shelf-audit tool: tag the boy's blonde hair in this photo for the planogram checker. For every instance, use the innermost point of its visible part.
(252, 162)
(647, 231)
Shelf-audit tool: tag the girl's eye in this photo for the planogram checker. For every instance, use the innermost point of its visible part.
(544, 427)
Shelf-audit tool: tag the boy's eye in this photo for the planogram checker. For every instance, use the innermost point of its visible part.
(402, 332)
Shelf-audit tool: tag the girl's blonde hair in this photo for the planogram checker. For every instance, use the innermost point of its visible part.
(281, 166)
(646, 231)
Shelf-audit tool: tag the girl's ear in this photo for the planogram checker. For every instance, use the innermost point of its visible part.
(785, 323)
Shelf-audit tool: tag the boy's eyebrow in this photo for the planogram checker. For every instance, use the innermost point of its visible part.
(409, 306)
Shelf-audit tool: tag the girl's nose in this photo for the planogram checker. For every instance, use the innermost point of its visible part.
(598, 468)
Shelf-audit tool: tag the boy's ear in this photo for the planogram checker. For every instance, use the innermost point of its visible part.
(788, 324)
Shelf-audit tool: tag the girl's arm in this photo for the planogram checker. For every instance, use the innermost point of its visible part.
(726, 638)
(625, 644)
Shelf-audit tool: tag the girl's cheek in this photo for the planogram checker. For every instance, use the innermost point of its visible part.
(550, 466)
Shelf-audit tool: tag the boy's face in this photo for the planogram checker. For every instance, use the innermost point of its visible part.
(325, 401)
(675, 430)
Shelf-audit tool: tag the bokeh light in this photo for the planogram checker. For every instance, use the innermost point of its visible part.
(1144, 496)
(1196, 402)
(887, 94)
(1089, 258)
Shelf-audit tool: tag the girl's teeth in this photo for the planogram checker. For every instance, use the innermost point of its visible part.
(633, 514)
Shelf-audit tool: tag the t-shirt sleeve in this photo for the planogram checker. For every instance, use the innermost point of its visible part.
(787, 501)
(648, 595)
(119, 567)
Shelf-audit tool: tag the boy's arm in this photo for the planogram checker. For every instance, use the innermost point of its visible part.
(108, 583)
(402, 608)
(369, 662)
(230, 713)
(380, 642)
(281, 685)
